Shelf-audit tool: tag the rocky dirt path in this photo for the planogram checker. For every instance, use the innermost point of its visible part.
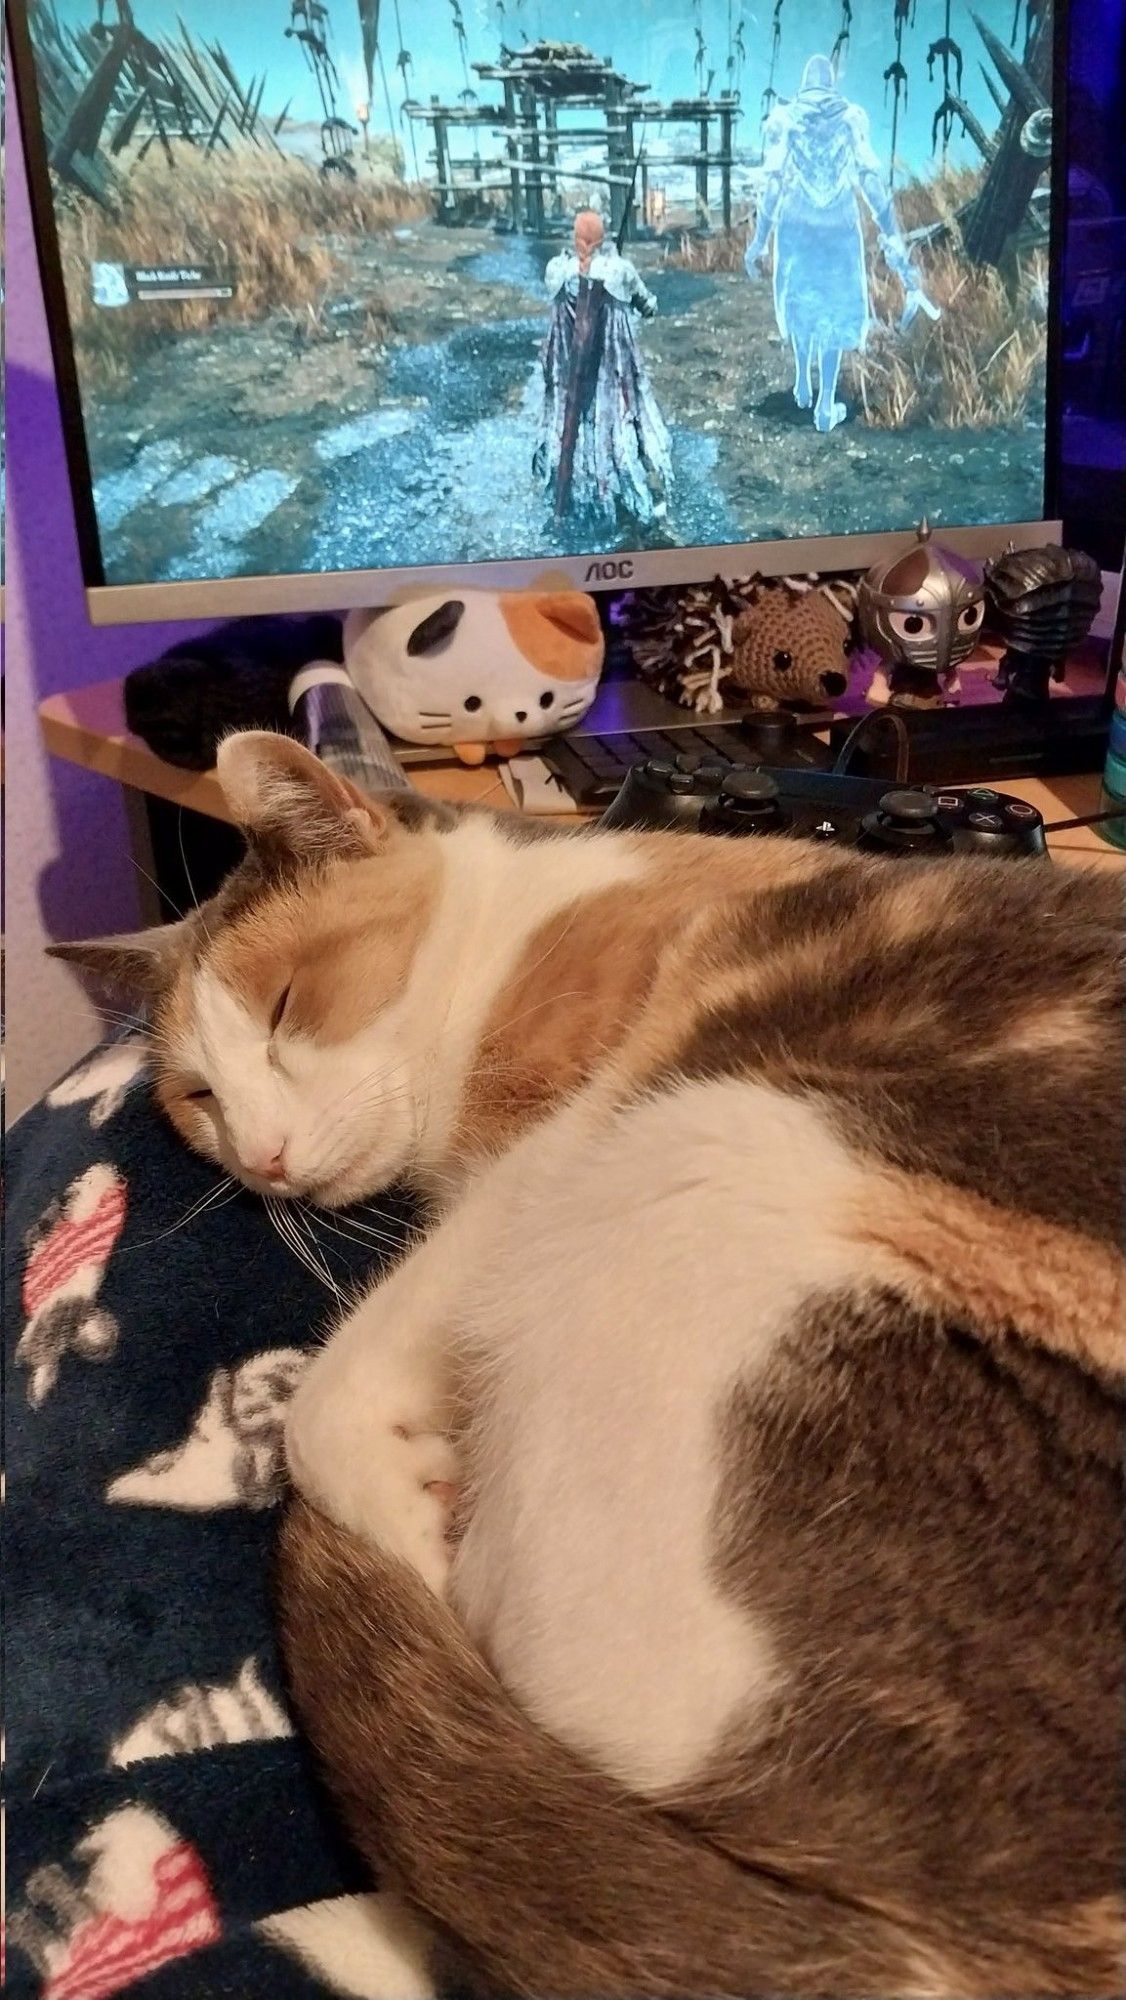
(344, 441)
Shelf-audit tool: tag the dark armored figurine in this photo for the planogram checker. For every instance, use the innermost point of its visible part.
(1042, 602)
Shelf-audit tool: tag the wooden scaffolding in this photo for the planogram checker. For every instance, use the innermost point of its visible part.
(542, 86)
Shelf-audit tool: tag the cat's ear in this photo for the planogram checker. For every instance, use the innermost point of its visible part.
(291, 805)
(140, 963)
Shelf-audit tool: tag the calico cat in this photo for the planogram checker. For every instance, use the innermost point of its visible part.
(707, 1571)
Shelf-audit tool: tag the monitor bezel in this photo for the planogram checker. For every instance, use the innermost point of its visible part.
(594, 570)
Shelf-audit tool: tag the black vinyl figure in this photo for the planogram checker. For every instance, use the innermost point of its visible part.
(1042, 602)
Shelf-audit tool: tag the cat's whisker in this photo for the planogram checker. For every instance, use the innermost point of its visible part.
(187, 874)
(366, 1232)
(350, 1231)
(154, 884)
(286, 1227)
(218, 1196)
(124, 1022)
(385, 1069)
(530, 972)
(317, 1252)
(551, 1000)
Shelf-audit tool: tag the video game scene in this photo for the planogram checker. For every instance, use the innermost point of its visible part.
(357, 285)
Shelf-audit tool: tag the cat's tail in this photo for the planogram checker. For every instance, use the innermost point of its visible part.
(557, 1881)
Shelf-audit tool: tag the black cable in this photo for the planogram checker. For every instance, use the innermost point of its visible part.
(1086, 819)
(902, 742)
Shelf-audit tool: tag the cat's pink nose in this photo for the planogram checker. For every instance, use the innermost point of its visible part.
(269, 1167)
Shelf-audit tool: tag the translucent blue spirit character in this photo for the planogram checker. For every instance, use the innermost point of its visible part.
(819, 166)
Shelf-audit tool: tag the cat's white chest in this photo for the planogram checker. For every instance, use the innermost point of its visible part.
(643, 1273)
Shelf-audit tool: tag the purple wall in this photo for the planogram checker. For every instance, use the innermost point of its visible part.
(49, 637)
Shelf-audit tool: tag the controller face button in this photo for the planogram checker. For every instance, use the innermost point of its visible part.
(949, 801)
(987, 822)
(1017, 809)
(981, 795)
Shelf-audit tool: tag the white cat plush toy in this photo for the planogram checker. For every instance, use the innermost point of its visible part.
(478, 670)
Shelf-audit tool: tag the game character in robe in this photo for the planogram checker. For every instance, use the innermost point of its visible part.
(603, 446)
(818, 160)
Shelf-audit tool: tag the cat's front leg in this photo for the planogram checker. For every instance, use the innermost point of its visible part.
(367, 1433)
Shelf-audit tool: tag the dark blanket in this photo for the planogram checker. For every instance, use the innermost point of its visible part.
(162, 1819)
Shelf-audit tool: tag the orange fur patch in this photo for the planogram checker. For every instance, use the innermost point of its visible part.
(1001, 1270)
(578, 993)
(559, 634)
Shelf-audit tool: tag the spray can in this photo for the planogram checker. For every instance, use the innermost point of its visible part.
(340, 729)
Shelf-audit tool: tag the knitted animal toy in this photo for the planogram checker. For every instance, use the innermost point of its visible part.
(477, 670)
(790, 646)
(746, 641)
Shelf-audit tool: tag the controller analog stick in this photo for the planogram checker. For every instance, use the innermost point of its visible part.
(750, 788)
(770, 736)
(904, 822)
(908, 808)
(748, 803)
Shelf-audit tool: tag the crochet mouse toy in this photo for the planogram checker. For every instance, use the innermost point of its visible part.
(478, 670)
(790, 646)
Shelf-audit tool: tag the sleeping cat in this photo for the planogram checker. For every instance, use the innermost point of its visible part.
(707, 1575)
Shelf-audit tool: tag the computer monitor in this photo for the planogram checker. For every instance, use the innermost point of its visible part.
(346, 298)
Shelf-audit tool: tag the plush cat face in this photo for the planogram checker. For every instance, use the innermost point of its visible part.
(478, 666)
(282, 1049)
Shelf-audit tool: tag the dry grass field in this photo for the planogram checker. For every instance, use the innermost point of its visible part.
(281, 229)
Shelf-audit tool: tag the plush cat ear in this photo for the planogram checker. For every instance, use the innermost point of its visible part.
(574, 613)
(290, 804)
(138, 962)
(559, 632)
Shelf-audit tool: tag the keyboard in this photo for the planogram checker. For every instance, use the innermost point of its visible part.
(592, 768)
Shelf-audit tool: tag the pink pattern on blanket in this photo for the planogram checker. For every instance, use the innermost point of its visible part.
(109, 1952)
(75, 1242)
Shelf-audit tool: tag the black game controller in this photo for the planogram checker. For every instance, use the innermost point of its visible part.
(866, 813)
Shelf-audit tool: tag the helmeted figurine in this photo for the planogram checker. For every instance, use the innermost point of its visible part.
(923, 616)
(818, 158)
(603, 447)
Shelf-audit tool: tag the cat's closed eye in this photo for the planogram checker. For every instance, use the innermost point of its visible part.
(199, 1096)
(279, 1010)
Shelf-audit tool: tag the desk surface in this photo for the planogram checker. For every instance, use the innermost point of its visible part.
(88, 728)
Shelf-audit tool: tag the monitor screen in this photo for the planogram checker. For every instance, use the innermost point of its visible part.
(342, 288)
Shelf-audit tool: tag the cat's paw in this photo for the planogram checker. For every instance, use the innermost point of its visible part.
(375, 1462)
